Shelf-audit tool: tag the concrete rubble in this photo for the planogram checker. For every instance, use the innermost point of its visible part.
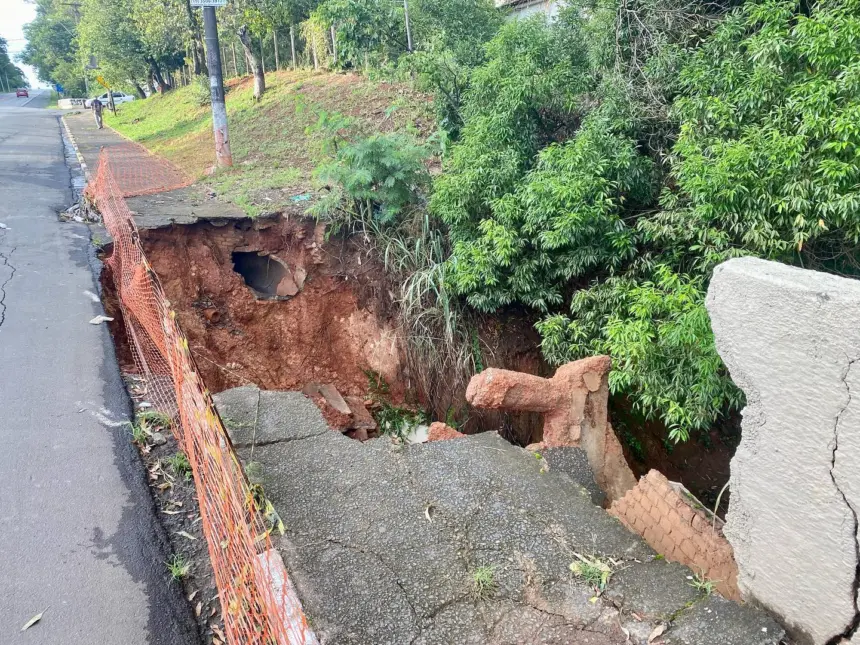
(791, 340)
(383, 541)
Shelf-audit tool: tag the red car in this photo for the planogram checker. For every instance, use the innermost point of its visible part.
(21, 91)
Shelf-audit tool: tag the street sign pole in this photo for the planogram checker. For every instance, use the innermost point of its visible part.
(223, 156)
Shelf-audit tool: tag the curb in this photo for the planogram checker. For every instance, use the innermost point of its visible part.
(78, 154)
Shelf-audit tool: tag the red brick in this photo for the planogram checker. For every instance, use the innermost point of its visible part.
(688, 549)
(666, 524)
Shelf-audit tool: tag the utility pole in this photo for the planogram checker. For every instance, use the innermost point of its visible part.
(408, 30)
(223, 156)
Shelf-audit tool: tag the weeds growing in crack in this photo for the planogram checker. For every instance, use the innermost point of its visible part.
(178, 567)
(484, 585)
(701, 584)
(594, 571)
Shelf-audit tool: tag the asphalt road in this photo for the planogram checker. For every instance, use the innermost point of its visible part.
(78, 534)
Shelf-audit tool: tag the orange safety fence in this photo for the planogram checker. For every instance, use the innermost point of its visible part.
(258, 603)
(136, 171)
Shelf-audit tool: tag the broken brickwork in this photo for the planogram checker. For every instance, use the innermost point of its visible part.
(574, 407)
(665, 518)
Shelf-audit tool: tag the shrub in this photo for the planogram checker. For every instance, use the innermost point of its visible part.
(373, 178)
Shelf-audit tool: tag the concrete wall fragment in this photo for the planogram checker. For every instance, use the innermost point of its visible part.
(791, 341)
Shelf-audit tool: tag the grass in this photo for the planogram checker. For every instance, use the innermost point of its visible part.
(52, 104)
(179, 463)
(146, 423)
(273, 144)
(701, 584)
(178, 567)
(594, 571)
(484, 583)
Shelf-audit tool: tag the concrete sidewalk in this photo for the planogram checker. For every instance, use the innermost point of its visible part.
(79, 536)
(383, 542)
(184, 205)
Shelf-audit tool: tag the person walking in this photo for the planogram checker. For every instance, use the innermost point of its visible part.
(96, 106)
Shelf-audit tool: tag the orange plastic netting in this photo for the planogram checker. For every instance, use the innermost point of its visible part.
(258, 602)
(136, 171)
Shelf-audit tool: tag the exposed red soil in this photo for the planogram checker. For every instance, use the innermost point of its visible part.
(332, 331)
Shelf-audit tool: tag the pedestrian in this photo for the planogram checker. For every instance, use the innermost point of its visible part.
(96, 107)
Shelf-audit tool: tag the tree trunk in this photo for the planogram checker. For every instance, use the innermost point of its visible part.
(160, 84)
(259, 75)
(277, 57)
(198, 56)
(235, 67)
(139, 90)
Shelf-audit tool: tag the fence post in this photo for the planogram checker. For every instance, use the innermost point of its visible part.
(293, 45)
(235, 67)
(262, 55)
(277, 57)
(333, 43)
(408, 30)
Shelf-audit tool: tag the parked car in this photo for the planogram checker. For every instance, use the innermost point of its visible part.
(22, 91)
(118, 97)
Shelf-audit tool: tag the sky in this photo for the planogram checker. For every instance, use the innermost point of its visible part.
(16, 13)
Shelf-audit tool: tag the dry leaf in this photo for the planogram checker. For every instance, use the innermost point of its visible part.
(198, 608)
(217, 631)
(659, 630)
(428, 512)
(170, 512)
(186, 535)
(193, 595)
(98, 320)
(35, 619)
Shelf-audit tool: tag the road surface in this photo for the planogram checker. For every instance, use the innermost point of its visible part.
(78, 534)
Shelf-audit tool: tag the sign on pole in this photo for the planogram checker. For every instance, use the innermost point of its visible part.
(208, 3)
(101, 81)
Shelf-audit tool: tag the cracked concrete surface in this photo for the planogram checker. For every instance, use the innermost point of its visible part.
(382, 540)
(8, 271)
(790, 339)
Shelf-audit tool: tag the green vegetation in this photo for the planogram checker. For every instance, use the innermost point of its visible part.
(179, 464)
(702, 584)
(178, 567)
(484, 585)
(11, 74)
(594, 168)
(398, 421)
(594, 571)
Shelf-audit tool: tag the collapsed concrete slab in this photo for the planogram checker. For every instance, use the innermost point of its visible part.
(385, 542)
(574, 406)
(790, 339)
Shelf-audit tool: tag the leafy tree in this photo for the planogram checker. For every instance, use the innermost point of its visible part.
(364, 28)
(10, 72)
(513, 106)
(108, 32)
(768, 157)
(52, 48)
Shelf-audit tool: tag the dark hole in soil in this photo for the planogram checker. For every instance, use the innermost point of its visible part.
(260, 272)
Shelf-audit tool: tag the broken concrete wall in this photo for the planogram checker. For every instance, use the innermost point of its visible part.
(790, 339)
(574, 406)
(675, 528)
